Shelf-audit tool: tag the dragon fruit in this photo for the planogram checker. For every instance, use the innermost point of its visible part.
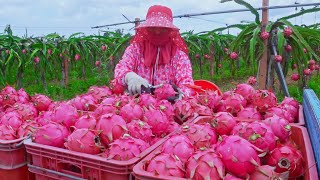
(223, 123)
(158, 121)
(264, 100)
(240, 128)
(290, 101)
(141, 130)
(201, 135)
(264, 35)
(65, 114)
(312, 62)
(294, 112)
(295, 77)
(11, 118)
(131, 111)
(180, 146)
(41, 102)
(145, 100)
(166, 165)
(233, 56)
(288, 48)
(280, 127)
(287, 158)
(231, 177)
(8, 96)
(307, 72)
(26, 111)
(112, 127)
(122, 100)
(183, 110)
(210, 99)
(279, 111)
(205, 164)
(109, 101)
(28, 127)
(266, 172)
(173, 126)
(7, 132)
(104, 109)
(234, 103)
(84, 103)
(126, 148)
(52, 134)
(201, 110)
(98, 93)
(260, 135)
(294, 66)
(252, 80)
(44, 118)
(238, 155)
(245, 90)
(84, 140)
(23, 96)
(116, 87)
(249, 113)
(164, 92)
(87, 121)
(166, 107)
(278, 58)
(287, 31)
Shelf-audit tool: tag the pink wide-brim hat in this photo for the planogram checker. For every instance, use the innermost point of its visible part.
(158, 16)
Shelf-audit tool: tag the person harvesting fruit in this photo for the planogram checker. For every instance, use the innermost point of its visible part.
(157, 54)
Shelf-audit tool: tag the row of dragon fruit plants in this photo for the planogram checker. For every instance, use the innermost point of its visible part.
(108, 123)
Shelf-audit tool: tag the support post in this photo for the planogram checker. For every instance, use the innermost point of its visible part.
(264, 59)
(136, 22)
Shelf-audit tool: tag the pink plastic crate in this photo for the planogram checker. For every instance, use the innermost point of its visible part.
(299, 136)
(49, 162)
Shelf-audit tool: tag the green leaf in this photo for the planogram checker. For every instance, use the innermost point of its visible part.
(281, 42)
(253, 43)
(311, 10)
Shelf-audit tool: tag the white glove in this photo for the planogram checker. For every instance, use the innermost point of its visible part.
(134, 82)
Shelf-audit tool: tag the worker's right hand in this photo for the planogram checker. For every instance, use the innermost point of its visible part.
(134, 82)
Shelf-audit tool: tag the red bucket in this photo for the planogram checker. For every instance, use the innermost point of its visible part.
(203, 85)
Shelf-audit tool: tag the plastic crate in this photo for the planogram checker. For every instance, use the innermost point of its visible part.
(301, 121)
(49, 162)
(299, 136)
(20, 173)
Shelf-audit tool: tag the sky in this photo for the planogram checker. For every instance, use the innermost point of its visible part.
(41, 17)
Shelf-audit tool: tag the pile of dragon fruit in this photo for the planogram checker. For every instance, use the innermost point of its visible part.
(248, 132)
(247, 137)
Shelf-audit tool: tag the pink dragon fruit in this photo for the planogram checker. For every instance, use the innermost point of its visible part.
(260, 135)
(44, 118)
(279, 111)
(238, 155)
(164, 92)
(7, 132)
(41, 102)
(180, 146)
(264, 100)
(131, 111)
(158, 121)
(205, 164)
(36, 60)
(116, 87)
(245, 90)
(112, 127)
(290, 101)
(210, 99)
(23, 96)
(252, 81)
(52, 134)
(84, 140)
(240, 128)
(103, 47)
(294, 66)
(231, 177)
(183, 110)
(264, 35)
(201, 135)
(280, 127)
(98, 93)
(287, 31)
(266, 172)
(97, 63)
(122, 100)
(234, 103)
(87, 121)
(141, 130)
(288, 48)
(66, 114)
(146, 100)
(233, 56)
(77, 57)
(223, 123)
(249, 113)
(166, 107)
(201, 109)
(278, 58)
(84, 103)
(28, 127)
(8, 96)
(166, 165)
(26, 111)
(173, 126)
(294, 112)
(287, 158)
(11, 118)
(109, 101)
(307, 72)
(126, 148)
(104, 109)
(295, 77)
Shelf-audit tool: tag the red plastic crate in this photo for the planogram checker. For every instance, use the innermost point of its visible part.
(299, 136)
(49, 162)
(301, 121)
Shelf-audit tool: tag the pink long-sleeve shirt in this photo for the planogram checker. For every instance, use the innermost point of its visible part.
(178, 71)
